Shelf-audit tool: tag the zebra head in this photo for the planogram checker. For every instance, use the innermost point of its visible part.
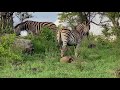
(83, 28)
(86, 28)
(17, 29)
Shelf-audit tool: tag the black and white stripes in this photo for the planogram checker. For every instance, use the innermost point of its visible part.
(71, 37)
(34, 27)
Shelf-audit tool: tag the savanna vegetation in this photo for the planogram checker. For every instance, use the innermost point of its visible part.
(102, 61)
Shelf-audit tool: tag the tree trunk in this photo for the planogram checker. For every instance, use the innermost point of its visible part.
(6, 20)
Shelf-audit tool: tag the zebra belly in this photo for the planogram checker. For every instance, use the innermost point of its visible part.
(72, 43)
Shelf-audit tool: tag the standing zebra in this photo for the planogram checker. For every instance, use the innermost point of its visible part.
(34, 27)
(72, 37)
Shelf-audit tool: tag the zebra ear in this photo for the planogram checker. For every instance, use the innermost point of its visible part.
(86, 23)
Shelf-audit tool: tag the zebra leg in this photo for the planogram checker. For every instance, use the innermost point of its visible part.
(87, 35)
(63, 50)
(64, 40)
(77, 49)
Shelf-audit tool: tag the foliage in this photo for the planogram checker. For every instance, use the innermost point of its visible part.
(98, 62)
(6, 22)
(106, 31)
(6, 51)
(23, 15)
(45, 42)
(113, 17)
(7, 30)
(72, 18)
(7, 40)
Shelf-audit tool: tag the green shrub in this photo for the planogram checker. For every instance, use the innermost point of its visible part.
(103, 43)
(7, 29)
(45, 42)
(6, 42)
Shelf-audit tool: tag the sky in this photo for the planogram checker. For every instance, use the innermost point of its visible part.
(52, 17)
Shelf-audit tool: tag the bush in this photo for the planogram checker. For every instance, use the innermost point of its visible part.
(7, 29)
(6, 42)
(103, 43)
(45, 42)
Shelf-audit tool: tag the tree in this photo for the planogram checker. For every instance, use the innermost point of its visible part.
(23, 15)
(109, 24)
(6, 20)
(73, 18)
(113, 18)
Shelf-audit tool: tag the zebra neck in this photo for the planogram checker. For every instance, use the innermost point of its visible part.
(78, 32)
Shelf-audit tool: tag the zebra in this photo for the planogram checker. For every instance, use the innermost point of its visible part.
(66, 37)
(33, 27)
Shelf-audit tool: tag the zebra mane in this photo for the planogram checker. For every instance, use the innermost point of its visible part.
(20, 24)
(38, 21)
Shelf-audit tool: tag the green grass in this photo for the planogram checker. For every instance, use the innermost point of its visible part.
(36, 66)
(99, 62)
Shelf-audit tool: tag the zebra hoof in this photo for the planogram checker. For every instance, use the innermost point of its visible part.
(62, 55)
(76, 55)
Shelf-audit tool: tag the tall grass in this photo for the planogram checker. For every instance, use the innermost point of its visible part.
(99, 62)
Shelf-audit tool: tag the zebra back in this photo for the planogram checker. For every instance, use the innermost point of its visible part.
(34, 27)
